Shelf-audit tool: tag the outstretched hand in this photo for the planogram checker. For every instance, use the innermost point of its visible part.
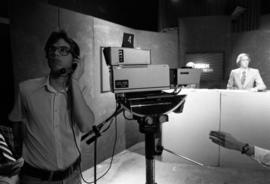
(226, 140)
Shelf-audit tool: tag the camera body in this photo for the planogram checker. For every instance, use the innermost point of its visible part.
(131, 71)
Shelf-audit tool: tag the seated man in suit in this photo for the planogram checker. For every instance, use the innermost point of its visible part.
(244, 77)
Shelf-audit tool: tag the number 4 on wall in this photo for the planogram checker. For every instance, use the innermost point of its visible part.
(128, 40)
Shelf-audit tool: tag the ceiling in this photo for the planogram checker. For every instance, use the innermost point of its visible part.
(147, 14)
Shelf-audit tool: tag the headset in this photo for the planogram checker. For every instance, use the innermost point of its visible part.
(73, 67)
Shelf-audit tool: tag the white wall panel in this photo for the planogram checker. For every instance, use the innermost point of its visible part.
(187, 133)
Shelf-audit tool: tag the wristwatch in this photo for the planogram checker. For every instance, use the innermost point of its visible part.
(245, 149)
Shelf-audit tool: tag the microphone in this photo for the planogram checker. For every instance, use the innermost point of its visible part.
(61, 71)
(67, 70)
(74, 66)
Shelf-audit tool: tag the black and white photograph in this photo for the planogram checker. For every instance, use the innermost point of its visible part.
(135, 92)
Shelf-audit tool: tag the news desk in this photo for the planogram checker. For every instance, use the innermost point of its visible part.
(244, 114)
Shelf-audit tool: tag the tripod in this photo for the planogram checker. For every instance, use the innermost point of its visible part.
(149, 109)
(150, 125)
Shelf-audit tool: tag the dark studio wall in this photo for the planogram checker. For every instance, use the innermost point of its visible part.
(31, 23)
(139, 14)
(257, 44)
(244, 13)
(6, 75)
(207, 34)
(214, 34)
(227, 26)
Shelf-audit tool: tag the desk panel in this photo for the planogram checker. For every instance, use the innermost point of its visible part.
(187, 133)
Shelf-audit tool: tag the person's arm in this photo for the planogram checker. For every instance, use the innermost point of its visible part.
(230, 81)
(18, 134)
(259, 84)
(17, 118)
(226, 140)
(82, 114)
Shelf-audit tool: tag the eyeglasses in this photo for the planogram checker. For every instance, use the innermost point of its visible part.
(62, 50)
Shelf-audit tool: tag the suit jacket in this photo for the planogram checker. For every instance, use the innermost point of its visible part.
(253, 80)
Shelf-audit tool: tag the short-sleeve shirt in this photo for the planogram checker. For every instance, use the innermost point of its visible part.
(49, 141)
(262, 156)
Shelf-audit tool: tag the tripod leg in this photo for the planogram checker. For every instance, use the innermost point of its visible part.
(150, 171)
(95, 162)
(181, 156)
(149, 156)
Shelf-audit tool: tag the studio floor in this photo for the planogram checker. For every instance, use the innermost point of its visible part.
(129, 168)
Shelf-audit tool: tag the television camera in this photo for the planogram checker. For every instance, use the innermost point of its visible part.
(140, 87)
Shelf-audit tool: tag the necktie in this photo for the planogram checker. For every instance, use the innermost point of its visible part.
(243, 77)
(4, 149)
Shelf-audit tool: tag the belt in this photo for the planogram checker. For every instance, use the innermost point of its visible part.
(47, 175)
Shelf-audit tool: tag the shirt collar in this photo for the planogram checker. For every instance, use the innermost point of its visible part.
(50, 88)
(244, 69)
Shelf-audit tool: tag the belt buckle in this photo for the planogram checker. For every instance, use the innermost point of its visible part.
(70, 170)
(50, 178)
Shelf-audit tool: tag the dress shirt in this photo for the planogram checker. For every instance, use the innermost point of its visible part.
(48, 138)
(262, 156)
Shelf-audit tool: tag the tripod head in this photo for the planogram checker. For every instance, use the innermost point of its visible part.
(151, 103)
(150, 108)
